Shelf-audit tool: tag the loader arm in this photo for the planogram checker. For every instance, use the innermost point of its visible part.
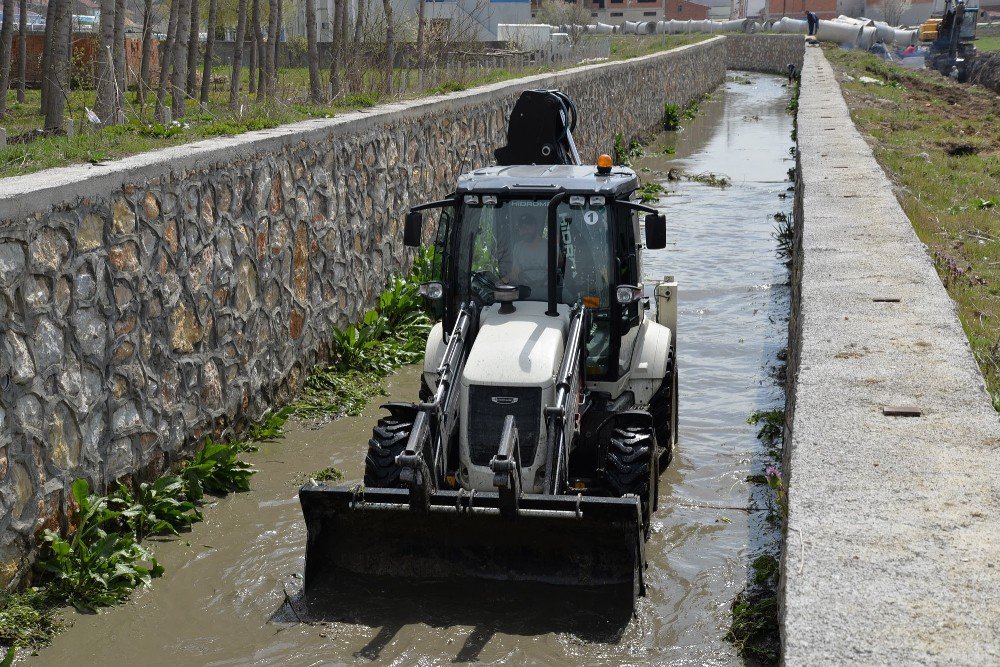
(425, 458)
(560, 417)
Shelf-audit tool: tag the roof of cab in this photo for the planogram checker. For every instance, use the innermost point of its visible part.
(534, 178)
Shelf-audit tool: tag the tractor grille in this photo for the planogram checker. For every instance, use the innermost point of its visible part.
(489, 407)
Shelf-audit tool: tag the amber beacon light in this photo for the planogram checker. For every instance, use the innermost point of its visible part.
(604, 164)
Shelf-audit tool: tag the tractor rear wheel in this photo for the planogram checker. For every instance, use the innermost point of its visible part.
(632, 465)
(388, 441)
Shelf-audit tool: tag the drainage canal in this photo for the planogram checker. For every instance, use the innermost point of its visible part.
(229, 595)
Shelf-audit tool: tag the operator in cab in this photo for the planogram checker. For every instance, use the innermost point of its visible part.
(530, 255)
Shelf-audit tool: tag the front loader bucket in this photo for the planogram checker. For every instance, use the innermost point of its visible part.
(567, 540)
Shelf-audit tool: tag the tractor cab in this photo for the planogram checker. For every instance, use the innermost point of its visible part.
(492, 249)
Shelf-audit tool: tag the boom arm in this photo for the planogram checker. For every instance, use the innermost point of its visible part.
(540, 130)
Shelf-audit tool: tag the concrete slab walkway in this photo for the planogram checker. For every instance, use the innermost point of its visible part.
(893, 547)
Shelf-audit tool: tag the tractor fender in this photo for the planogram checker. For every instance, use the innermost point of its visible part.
(651, 360)
(433, 354)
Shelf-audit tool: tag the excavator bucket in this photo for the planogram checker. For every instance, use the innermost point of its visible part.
(568, 540)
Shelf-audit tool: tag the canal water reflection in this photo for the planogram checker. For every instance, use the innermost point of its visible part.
(230, 592)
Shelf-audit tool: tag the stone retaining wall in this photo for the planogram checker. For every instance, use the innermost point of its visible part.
(174, 293)
(764, 53)
(893, 530)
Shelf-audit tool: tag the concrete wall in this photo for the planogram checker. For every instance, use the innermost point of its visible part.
(893, 529)
(764, 53)
(173, 293)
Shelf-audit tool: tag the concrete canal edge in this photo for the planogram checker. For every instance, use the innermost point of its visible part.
(893, 528)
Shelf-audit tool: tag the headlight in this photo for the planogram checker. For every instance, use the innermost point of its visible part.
(626, 294)
(432, 291)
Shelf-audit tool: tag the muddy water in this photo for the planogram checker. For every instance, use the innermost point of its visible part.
(230, 592)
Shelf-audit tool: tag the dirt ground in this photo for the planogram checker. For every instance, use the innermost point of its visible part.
(939, 142)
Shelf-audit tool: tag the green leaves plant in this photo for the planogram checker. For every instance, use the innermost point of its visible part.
(158, 507)
(95, 567)
(216, 469)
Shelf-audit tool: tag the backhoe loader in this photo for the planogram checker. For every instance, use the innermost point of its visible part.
(548, 405)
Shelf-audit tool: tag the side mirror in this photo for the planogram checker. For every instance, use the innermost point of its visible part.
(656, 231)
(411, 229)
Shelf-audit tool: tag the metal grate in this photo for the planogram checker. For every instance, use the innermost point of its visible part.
(488, 407)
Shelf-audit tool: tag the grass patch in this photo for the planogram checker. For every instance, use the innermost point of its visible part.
(27, 152)
(28, 620)
(939, 142)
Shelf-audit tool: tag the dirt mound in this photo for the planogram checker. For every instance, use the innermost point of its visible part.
(986, 71)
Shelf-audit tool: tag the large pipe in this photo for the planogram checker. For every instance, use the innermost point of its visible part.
(791, 26)
(604, 29)
(840, 32)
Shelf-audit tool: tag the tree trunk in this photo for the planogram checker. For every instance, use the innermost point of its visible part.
(58, 72)
(359, 23)
(147, 52)
(265, 89)
(338, 8)
(421, 56)
(6, 50)
(50, 22)
(206, 73)
(118, 62)
(179, 80)
(390, 45)
(192, 54)
(166, 57)
(277, 44)
(22, 50)
(104, 103)
(254, 72)
(241, 38)
(315, 83)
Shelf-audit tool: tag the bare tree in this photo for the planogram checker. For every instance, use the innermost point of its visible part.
(557, 12)
(335, 50)
(206, 74)
(118, 62)
(147, 50)
(390, 45)
(279, 22)
(255, 51)
(192, 50)
(179, 80)
(58, 65)
(315, 83)
(893, 10)
(6, 44)
(22, 50)
(104, 104)
(50, 22)
(266, 86)
(241, 36)
(166, 56)
(421, 58)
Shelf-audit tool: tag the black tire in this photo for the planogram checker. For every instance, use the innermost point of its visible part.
(632, 465)
(663, 408)
(387, 442)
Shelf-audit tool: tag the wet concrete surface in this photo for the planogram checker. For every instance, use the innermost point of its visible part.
(230, 595)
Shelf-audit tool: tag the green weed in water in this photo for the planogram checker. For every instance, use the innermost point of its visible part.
(754, 630)
(626, 151)
(216, 469)
(330, 474)
(772, 423)
(28, 620)
(95, 567)
(157, 507)
(651, 192)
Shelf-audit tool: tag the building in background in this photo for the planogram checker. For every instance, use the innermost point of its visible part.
(684, 10)
(825, 9)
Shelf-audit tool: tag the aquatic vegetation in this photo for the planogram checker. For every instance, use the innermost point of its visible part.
(155, 508)
(216, 469)
(651, 192)
(28, 620)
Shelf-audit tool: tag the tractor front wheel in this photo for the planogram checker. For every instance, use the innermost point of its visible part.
(388, 441)
(632, 465)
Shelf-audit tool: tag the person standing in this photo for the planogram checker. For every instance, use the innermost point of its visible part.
(813, 21)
